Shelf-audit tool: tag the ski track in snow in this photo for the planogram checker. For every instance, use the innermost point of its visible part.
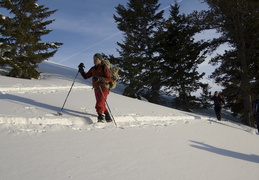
(30, 106)
(50, 121)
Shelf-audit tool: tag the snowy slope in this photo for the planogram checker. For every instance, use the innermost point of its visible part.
(151, 141)
(38, 101)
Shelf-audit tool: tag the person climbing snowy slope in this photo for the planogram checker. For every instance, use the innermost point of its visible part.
(218, 101)
(101, 77)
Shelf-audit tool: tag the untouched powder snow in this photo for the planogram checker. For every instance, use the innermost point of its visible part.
(150, 142)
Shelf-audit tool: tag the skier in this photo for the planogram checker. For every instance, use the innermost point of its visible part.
(101, 77)
(218, 101)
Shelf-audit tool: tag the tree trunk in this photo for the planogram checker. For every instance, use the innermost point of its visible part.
(245, 87)
(245, 81)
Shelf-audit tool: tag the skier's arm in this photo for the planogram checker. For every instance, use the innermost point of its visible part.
(82, 72)
(88, 74)
(222, 100)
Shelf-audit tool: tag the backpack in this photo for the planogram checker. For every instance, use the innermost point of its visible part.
(114, 73)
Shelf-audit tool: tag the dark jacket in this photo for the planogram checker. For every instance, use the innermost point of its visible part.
(218, 100)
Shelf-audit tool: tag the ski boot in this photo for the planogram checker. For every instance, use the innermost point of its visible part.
(107, 116)
(101, 118)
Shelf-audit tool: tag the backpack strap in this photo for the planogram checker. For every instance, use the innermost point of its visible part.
(103, 66)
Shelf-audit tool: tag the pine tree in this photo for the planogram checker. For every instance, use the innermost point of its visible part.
(181, 56)
(237, 21)
(21, 32)
(139, 21)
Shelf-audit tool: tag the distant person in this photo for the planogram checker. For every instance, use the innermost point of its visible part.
(256, 112)
(218, 101)
(101, 77)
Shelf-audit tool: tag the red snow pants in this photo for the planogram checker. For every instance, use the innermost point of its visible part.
(101, 97)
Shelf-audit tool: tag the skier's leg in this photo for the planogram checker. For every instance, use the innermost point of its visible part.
(106, 112)
(104, 94)
(100, 103)
(219, 113)
(216, 111)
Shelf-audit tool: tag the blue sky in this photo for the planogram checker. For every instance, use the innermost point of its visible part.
(87, 26)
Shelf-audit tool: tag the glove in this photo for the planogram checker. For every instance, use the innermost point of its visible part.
(96, 79)
(81, 67)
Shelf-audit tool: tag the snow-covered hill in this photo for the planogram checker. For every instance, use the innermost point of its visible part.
(151, 141)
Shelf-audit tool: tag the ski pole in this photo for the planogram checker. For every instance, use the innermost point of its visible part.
(60, 113)
(114, 122)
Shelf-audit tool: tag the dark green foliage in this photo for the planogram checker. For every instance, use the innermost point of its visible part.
(158, 53)
(139, 21)
(237, 21)
(181, 55)
(161, 53)
(21, 32)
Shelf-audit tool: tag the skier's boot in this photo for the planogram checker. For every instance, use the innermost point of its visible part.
(107, 116)
(101, 118)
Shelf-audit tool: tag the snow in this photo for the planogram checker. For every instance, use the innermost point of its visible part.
(150, 142)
